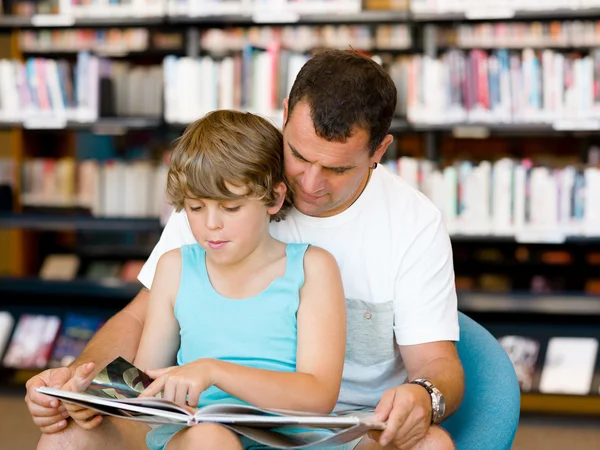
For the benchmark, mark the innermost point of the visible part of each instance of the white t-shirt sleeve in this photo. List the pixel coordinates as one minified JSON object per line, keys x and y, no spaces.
{"x":425,"y":298}
{"x":177,"y":233}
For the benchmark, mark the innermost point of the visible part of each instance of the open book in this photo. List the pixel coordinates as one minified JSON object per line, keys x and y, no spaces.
{"x":116,"y":388}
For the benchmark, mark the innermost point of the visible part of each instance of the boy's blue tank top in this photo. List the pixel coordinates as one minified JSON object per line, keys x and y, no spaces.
{"x":259,"y":331}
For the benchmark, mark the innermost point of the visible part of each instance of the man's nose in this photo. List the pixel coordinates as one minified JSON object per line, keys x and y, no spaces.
{"x":312,"y":180}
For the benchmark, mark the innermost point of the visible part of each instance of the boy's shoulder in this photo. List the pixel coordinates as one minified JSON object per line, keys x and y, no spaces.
{"x":317,"y":260}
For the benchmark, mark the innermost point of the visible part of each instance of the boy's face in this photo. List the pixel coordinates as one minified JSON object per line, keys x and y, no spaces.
{"x":229,"y":231}
{"x":325,"y":177}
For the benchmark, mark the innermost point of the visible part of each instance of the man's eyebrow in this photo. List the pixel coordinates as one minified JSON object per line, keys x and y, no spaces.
{"x":333,"y":169}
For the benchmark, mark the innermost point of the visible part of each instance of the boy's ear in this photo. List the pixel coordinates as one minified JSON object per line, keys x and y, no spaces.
{"x":280,"y":191}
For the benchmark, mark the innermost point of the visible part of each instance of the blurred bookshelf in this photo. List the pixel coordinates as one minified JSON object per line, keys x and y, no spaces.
{"x":498,"y":115}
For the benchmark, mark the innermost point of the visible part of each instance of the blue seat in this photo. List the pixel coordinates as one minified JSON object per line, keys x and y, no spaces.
{"x":489,"y":414}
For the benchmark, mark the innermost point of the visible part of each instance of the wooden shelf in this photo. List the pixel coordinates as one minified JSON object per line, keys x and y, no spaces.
{"x":44,"y":222}
{"x":560,"y":404}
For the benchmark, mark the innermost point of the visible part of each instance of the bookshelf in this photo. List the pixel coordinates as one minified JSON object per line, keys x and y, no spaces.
{"x":398,"y":38}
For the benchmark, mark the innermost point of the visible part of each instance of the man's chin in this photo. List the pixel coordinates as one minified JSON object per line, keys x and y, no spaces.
{"x":309,"y":209}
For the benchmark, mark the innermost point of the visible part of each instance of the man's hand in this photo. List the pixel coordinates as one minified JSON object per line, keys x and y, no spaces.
{"x":79,"y":382}
{"x":407,"y":411}
{"x":181,"y":384}
{"x":47,"y":412}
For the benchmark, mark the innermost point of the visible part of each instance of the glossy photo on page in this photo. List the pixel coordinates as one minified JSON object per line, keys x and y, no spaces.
{"x":119,"y":380}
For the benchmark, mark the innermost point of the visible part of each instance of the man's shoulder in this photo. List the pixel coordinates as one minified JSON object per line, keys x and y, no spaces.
{"x":405,"y":203}
{"x":178,"y":231}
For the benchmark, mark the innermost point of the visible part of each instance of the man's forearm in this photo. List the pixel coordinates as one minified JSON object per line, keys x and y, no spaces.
{"x":448,"y":376}
{"x":120,"y":336}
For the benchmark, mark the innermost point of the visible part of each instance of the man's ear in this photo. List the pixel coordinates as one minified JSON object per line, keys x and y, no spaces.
{"x":381,"y":149}
{"x":285,"y":111}
{"x":280,"y":191}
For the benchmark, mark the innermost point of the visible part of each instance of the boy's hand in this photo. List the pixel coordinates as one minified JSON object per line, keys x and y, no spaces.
{"x":181,"y":384}
{"x":79,"y":382}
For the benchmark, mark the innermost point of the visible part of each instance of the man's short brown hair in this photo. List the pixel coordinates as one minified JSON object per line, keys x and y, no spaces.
{"x":228,"y":147}
{"x":345,"y":90}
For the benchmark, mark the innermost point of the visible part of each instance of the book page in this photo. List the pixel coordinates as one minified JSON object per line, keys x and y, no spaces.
{"x":569,"y":366}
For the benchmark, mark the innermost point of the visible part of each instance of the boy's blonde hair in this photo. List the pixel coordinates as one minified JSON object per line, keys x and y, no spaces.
{"x":228,"y":147}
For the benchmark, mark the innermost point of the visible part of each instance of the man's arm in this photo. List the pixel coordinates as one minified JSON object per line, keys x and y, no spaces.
{"x":425,"y":326}
{"x":120,"y":336}
{"x":439,"y":363}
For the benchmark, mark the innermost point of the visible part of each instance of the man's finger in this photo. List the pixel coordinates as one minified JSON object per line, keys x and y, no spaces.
{"x":385,"y":406}
{"x":374,"y":434}
{"x":54,"y":428}
{"x":396,"y":419}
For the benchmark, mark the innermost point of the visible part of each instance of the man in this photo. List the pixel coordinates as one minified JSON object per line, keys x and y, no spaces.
{"x":394,"y":255}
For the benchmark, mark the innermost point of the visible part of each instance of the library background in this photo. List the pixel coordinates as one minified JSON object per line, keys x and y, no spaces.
{"x":498,"y":105}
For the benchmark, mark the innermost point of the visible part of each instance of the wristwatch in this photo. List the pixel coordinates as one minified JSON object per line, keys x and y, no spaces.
{"x":438,"y":405}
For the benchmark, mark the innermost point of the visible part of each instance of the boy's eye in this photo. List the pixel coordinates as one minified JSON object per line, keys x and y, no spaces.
{"x":231,"y":208}
{"x":195,"y":208}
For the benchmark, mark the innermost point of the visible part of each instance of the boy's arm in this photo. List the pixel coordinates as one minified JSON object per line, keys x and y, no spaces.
{"x":160,"y":336}
{"x":314,"y":387}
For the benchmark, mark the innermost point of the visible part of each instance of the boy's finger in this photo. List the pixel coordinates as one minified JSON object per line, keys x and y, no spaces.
{"x":155,"y":387}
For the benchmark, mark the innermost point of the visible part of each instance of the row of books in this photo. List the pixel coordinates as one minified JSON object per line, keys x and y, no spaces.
{"x":49,"y":91}
{"x":576,"y":33}
{"x":157,"y":8}
{"x":108,"y":189}
{"x":307,"y":37}
{"x":535,"y":203}
{"x":114,"y":41}
{"x":41,"y":341}
{"x":492,"y":8}
{"x":503,"y":86}
{"x":557,"y":365}
{"x":68,"y":267}
{"x":458,"y":87}
{"x":256,"y":80}
{"x":117,"y":41}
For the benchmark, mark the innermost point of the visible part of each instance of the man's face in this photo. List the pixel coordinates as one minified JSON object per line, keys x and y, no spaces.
{"x":325,"y":177}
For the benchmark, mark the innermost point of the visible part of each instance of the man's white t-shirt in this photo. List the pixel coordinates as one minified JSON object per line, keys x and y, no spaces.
{"x":395,"y":259}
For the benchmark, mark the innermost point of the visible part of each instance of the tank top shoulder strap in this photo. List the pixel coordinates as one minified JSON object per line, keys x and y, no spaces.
{"x":295,"y":263}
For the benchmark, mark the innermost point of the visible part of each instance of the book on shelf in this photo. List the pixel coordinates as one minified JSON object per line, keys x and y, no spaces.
{"x":62,"y":267}
{"x":7,"y":323}
{"x":527,"y":87}
{"x":569,"y":365}
{"x":497,"y":8}
{"x":510,"y":197}
{"x":115,"y":391}
{"x":76,"y":331}
{"x":111,"y":188}
{"x":32,"y":342}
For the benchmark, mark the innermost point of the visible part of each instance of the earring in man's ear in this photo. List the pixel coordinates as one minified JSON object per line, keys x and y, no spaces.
{"x":374,"y":166}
